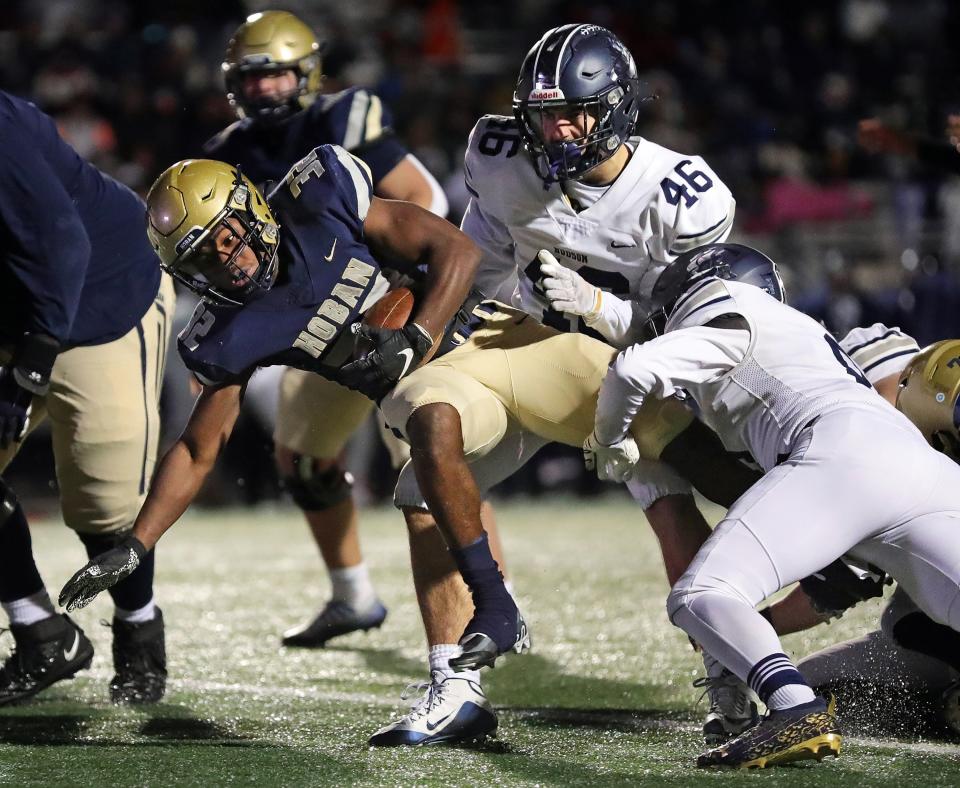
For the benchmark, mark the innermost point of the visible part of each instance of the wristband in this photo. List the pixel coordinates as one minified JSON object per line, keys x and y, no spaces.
{"x":33,"y":362}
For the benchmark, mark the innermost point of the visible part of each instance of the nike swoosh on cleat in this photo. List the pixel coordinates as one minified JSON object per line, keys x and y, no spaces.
{"x":70,"y":653}
{"x":438,"y":723}
{"x":407,"y":353}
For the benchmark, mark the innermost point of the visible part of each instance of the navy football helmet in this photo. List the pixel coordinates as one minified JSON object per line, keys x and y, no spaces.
{"x":735,"y":262}
{"x":580,"y":69}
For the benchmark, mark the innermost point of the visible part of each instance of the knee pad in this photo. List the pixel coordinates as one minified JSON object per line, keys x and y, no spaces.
{"x":314,"y":490}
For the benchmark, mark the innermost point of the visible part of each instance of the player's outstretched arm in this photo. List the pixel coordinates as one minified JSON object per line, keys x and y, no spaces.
{"x":177,"y":481}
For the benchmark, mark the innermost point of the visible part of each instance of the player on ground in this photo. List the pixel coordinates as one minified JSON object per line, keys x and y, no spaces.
{"x":576,"y":215}
{"x":83,"y":334}
{"x":770,"y":381}
{"x":274,"y":76}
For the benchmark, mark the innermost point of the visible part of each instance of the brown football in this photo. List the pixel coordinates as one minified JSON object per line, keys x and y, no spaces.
{"x":392,"y":311}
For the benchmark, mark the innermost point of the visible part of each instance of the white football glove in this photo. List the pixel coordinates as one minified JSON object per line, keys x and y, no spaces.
{"x":566,"y":290}
{"x":614,"y":463}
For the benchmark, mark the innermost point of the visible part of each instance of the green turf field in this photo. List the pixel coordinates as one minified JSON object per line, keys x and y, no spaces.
{"x":604,"y":698}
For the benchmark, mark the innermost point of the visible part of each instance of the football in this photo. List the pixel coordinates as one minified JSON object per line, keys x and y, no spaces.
{"x":392,"y":311}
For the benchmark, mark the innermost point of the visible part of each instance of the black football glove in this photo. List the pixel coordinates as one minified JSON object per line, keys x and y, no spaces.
{"x":394,"y":353}
{"x":102,"y":572}
{"x":14,"y":409}
{"x":27,"y":375}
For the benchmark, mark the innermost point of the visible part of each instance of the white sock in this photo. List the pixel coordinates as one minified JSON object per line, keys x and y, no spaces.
{"x":440,"y":660}
{"x":139,"y":616}
{"x":790,"y":695}
{"x":30,"y":609}
{"x":352,"y":585}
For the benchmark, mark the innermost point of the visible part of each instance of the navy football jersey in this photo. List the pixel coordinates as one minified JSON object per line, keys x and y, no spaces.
{"x":327,"y":278}
{"x":354,"y":119}
{"x":75,"y":262}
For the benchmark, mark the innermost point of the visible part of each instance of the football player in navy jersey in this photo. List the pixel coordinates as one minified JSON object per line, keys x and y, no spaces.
{"x":83,"y":333}
{"x":291,"y":297}
{"x":273,"y":74}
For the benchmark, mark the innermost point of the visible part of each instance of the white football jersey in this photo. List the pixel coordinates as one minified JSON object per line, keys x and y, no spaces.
{"x":662,"y":204}
{"x":756,"y":389}
{"x":879,"y":351}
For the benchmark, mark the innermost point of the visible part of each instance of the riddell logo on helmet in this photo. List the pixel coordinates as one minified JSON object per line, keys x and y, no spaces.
{"x":546,"y":94}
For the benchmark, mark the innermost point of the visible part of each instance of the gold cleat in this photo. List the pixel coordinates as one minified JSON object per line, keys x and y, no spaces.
{"x":809,"y":733}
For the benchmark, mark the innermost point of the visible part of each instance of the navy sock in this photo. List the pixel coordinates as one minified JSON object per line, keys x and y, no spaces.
{"x":136,"y":589}
{"x":495,"y":612}
{"x":19,"y":576}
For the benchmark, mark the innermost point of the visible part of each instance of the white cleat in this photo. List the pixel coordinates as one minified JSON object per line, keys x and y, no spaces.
{"x":452,"y":709}
{"x":733,"y":705}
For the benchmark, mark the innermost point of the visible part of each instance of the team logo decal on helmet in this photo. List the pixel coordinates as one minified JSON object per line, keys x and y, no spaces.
{"x":584,"y":71}
{"x":187,"y":205}
{"x":271,"y":42}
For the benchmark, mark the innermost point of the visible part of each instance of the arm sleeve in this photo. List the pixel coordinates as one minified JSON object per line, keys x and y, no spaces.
{"x":47,"y":248}
{"x":879,"y":351}
{"x":680,"y":359}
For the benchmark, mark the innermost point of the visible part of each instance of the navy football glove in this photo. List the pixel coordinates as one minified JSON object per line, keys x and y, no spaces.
{"x":102,"y":572}
{"x":394,"y":353}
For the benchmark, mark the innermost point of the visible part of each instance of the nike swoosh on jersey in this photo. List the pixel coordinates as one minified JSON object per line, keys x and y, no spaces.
{"x":407,"y":353}
{"x":329,"y":257}
{"x":70,"y":653}
{"x":618,"y":245}
{"x":432,"y":726}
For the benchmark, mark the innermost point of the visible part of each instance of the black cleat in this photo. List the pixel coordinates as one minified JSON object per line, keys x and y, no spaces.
{"x":44,"y":653}
{"x":140,"y":661}
{"x":337,"y":618}
{"x":807,"y":732}
{"x":481,"y":650}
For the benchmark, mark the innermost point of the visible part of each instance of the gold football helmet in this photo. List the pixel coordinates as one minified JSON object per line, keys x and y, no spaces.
{"x":929,"y":395}
{"x":273,"y":41}
{"x":186,"y":204}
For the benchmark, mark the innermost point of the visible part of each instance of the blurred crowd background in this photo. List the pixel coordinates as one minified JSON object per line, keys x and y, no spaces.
{"x":770,"y":93}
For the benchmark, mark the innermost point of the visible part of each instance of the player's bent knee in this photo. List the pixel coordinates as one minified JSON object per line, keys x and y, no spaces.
{"x":316,"y":484}
{"x":434,"y":429}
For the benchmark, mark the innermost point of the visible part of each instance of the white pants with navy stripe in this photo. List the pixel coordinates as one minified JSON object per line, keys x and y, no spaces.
{"x":860,"y":481}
